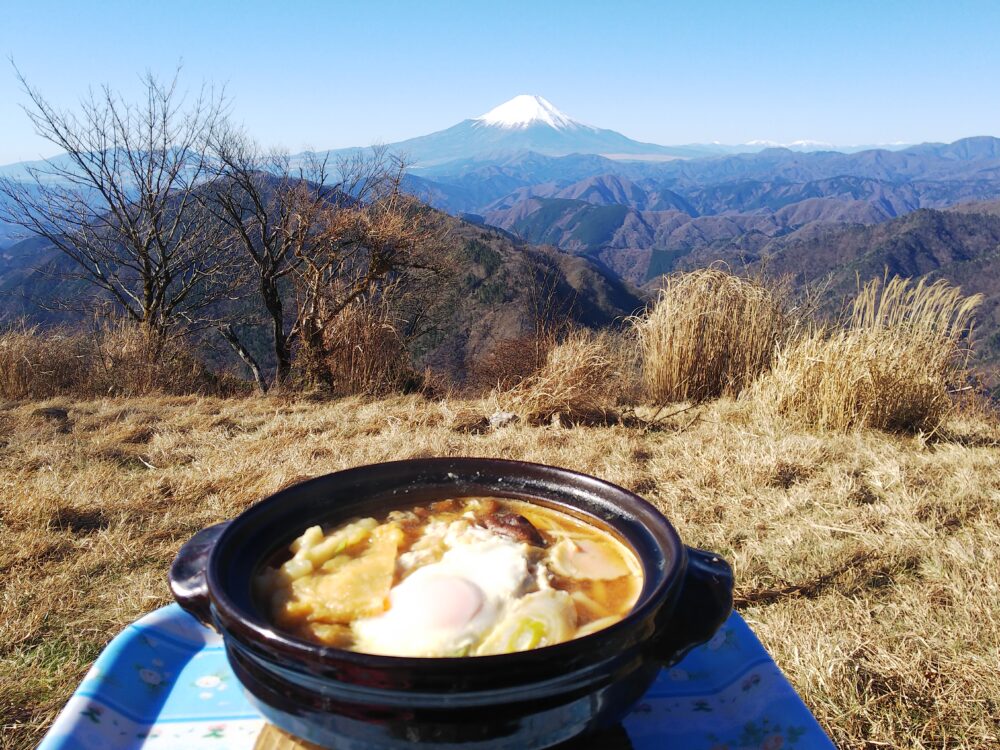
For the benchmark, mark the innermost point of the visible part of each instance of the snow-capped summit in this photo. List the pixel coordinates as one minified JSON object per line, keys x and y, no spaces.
{"x":525,"y":110}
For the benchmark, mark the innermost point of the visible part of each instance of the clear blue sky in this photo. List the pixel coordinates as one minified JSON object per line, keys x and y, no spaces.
{"x":331,"y":74}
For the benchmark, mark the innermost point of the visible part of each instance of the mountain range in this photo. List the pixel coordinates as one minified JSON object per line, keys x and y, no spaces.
{"x":531,"y":123}
{"x":632,"y":211}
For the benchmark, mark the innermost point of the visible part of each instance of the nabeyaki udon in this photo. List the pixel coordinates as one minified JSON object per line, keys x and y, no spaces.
{"x":469,"y":577}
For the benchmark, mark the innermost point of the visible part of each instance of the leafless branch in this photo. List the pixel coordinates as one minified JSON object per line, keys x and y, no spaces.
{"x":120,"y":201}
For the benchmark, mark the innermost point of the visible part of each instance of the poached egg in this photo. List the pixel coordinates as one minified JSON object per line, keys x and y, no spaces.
{"x":446,"y":607}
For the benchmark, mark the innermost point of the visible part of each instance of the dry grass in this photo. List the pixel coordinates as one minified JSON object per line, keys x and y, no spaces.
{"x":868,"y":563}
{"x":508,"y":362}
{"x":584,"y":378}
{"x":115,"y":358}
{"x":709,"y":334}
{"x":363,"y":353}
{"x":37,"y":364}
{"x":892,"y":366}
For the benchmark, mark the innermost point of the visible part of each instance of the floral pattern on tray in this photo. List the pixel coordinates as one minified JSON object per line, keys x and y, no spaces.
{"x":164,"y":682}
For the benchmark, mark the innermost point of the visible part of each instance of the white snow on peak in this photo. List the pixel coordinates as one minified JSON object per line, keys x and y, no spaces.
{"x":525,"y":110}
{"x":801,"y":145}
{"x":810,"y":144}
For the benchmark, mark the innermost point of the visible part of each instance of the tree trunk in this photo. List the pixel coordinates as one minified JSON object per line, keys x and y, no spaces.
{"x":311,"y":352}
{"x":230,"y":335}
{"x":282,"y":350}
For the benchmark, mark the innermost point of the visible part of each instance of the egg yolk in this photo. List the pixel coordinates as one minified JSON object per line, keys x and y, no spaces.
{"x":437,"y":602}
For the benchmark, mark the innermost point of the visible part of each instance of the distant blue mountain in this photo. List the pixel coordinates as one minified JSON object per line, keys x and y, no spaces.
{"x":531,"y":124}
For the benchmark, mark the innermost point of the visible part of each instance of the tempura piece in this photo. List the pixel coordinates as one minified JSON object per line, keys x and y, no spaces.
{"x":357,"y":588}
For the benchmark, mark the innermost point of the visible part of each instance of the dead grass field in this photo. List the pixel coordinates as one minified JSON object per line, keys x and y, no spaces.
{"x":869,"y":564}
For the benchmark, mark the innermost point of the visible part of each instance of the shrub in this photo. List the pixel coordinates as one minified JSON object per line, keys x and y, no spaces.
{"x":583,"y":379}
{"x":709,"y":334}
{"x":508,"y":362}
{"x":890,"y":366}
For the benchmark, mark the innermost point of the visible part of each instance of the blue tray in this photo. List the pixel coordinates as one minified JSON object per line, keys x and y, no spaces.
{"x":164,"y":682}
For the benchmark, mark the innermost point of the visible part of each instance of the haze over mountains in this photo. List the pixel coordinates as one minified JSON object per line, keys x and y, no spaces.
{"x":526,"y":123}
{"x":531,"y":123}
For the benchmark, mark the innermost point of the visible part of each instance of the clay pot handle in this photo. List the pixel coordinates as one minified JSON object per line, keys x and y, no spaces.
{"x":188,"y":573}
{"x":705,"y":602}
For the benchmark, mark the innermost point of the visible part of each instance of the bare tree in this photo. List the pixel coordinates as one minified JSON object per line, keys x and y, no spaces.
{"x":317,"y":238}
{"x":121,"y":201}
{"x":254,"y":196}
{"x":363,"y":244}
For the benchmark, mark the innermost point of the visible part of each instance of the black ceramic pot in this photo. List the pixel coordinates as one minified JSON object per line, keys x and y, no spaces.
{"x":534,"y":699}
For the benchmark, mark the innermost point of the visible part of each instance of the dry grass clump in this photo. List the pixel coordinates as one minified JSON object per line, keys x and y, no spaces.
{"x":363,"y":352}
{"x":37,"y":364}
{"x":709,"y":334}
{"x":890,"y":367}
{"x":128,"y":362}
{"x":508,"y":362}
{"x":116,"y":358}
{"x":583,"y":379}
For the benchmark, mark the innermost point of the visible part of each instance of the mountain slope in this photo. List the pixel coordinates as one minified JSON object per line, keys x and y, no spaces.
{"x":931,"y":175}
{"x":641,"y":218}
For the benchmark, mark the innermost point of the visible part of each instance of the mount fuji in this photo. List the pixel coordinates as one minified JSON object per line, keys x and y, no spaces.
{"x":527,"y":123}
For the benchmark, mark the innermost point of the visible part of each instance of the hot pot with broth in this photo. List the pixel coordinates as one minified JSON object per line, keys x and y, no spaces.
{"x":451,"y":601}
